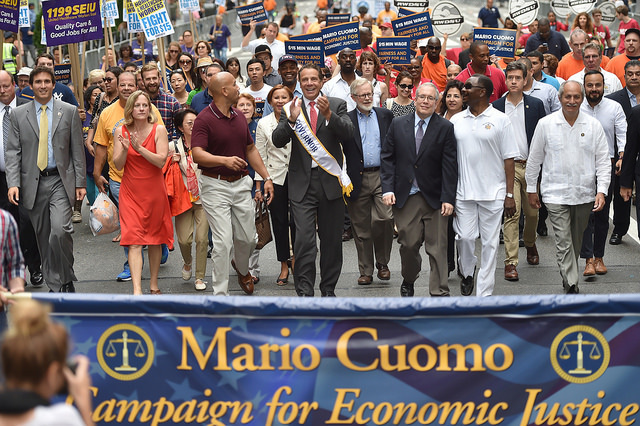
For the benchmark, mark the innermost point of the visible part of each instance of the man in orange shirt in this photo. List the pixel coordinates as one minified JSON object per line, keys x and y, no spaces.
{"x":434,"y":65}
{"x":386,"y":15}
{"x":571,"y":63}
{"x":631,"y":51}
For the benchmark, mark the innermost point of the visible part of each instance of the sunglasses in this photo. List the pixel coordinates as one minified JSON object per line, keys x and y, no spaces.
{"x":406,"y":86}
{"x":109,"y":79}
{"x":469,"y":86}
{"x":185,"y":62}
{"x":464,"y":39}
{"x":413,"y":67}
{"x":174,"y":51}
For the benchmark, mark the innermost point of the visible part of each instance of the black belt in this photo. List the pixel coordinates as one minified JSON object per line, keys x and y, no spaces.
{"x":371,"y":169}
{"x":49,"y":172}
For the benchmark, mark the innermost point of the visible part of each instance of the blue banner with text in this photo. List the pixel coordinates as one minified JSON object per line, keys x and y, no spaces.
{"x":501,"y":42}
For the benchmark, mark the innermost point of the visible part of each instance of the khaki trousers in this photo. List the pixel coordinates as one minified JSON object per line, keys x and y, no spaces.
{"x":511,"y":224}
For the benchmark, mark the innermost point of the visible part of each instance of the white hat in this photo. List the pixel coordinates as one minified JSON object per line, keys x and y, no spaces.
{"x":619,"y":3}
{"x":423,"y":42}
{"x":25,"y":71}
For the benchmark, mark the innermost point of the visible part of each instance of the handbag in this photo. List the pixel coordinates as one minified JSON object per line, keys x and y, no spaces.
{"x":263,"y":226}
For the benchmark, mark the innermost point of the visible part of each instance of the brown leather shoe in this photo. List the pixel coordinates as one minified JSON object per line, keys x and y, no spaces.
{"x":532,"y":255}
{"x":365,"y":280}
{"x":599,"y":266}
{"x":510,"y":273}
{"x":589,"y":269}
{"x":245,"y":281}
{"x":383,"y":272}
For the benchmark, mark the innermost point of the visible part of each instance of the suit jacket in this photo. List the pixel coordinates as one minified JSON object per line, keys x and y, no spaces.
{"x":533,"y":111}
{"x":22,"y":150}
{"x":435,"y":166}
{"x":630,"y":164}
{"x":353,"y":147}
{"x":332,"y":135}
{"x":622,"y":97}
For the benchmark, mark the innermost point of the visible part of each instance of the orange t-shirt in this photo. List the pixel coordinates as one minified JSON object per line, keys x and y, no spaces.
{"x":616,"y":66}
{"x":568,"y":66}
{"x":436,"y":72}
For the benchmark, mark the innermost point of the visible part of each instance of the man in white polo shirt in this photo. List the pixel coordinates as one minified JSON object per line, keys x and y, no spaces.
{"x":486,"y":149}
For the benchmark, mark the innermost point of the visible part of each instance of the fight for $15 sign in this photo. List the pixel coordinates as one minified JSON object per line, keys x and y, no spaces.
{"x":154,"y":18}
{"x":71,"y":21}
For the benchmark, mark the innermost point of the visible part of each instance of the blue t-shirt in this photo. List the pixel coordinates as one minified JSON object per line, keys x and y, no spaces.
{"x":221,"y":33}
{"x":489,"y":17}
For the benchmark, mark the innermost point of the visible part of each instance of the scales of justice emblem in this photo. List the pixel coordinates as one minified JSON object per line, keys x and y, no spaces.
{"x":116,"y":346}
{"x":581,"y":357}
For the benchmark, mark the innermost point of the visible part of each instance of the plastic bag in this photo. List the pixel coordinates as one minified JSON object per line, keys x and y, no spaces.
{"x":103,"y":216}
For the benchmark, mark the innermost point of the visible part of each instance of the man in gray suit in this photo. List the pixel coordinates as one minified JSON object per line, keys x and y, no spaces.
{"x":46,"y":174}
{"x":315,"y":194}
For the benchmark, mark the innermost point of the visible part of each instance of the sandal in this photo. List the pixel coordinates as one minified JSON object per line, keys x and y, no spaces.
{"x":116,"y":239}
{"x":155,"y":292}
{"x":283,"y":280}
{"x":200,"y":285}
{"x":256,"y":280}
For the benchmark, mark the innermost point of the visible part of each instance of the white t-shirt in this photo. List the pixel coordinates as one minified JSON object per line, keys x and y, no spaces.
{"x":484,"y":142}
{"x":259,"y":95}
{"x":56,"y":415}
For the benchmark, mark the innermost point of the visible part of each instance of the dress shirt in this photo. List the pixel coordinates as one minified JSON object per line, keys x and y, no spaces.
{"x":484,"y":142}
{"x":571,"y":158}
{"x":632,"y":98}
{"x":12,"y":106}
{"x":337,"y":87}
{"x":370,"y":138}
{"x":547,"y":94}
{"x":416,"y":121}
{"x":51,"y":161}
{"x":516,"y":115}
{"x":611,"y":81}
{"x":308,"y":108}
{"x":614,"y":122}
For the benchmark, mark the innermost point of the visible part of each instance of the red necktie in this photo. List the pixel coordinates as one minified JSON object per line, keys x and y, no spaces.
{"x":313,"y":116}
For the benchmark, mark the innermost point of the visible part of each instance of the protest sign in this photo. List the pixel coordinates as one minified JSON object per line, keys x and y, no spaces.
{"x":62,"y":73}
{"x":306,"y":52}
{"x":608,"y":12}
{"x":579,"y":6}
{"x":24,"y":20}
{"x":307,"y":37}
{"x":416,"y":26}
{"x":446,"y":18}
{"x":501,"y":42}
{"x":419,"y":4}
{"x":71,"y":21}
{"x":404,"y":12}
{"x":523,"y":12}
{"x":395,"y":50}
{"x":340,"y":37}
{"x":250,"y":12}
{"x":133,"y":20}
{"x":338,"y":18}
{"x":9,"y":15}
{"x":560,"y":8}
{"x":154,"y":18}
{"x":189,"y":5}
{"x":110,"y":10}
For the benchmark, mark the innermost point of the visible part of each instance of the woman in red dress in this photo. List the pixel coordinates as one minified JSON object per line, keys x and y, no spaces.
{"x":141,"y":148}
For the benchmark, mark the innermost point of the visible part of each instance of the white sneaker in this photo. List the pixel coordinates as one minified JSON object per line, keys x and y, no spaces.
{"x":201,"y":285}
{"x":76,"y":217}
{"x":186,"y":274}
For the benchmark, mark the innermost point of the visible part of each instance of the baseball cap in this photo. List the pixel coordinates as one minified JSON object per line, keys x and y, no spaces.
{"x":25,"y":71}
{"x":8,"y":34}
{"x":386,"y":25}
{"x":632,"y":31}
{"x":263,"y":48}
{"x":285,"y":58}
{"x":204,"y":62}
{"x":423,"y":42}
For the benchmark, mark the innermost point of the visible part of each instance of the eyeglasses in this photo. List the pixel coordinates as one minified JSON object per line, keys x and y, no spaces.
{"x":203,"y":70}
{"x":406,"y":86}
{"x":185,"y":62}
{"x":421,"y":98}
{"x":469,"y":86}
{"x":364,"y":95}
{"x":464,"y":39}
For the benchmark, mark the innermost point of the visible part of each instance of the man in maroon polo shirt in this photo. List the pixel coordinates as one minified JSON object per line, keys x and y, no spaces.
{"x":479,"y":64}
{"x":222,"y":146}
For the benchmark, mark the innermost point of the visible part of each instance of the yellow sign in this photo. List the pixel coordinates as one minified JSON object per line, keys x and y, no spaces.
{"x":580,"y":354}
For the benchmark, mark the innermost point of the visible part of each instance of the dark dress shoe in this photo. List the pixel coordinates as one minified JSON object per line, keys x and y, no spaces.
{"x":347,"y":235}
{"x":542,"y":229}
{"x":37,"y":280}
{"x":365,"y":280}
{"x":245,"y":281}
{"x":466,"y":285}
{"x":68,"y":288}
{"x":501,"y":237}
{"x":571,"y":289}
{"x":383,"y":272}
{"x":510,"y":273}
{"x":328,"y":294}
{"x":406,"y":289}
{"x":615,"y":239}
{"x":532,"y":255}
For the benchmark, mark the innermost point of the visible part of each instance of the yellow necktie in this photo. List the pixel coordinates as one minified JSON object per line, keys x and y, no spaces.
{"x":43,"y":146}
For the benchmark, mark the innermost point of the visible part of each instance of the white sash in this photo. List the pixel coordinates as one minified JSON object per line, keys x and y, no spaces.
{"x":318,"y":152}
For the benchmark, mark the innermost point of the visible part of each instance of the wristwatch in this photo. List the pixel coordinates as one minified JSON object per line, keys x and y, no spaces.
{"x":509,"y":195}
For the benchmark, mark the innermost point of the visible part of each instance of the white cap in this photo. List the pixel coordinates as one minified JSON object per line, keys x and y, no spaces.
{"x":25,"y":71}
{"x":423,"y":42}
{"x":619,"y":3}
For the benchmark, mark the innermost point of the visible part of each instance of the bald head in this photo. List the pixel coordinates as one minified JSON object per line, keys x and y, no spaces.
{"x":223,"y":88}
{"x":7,"y":88}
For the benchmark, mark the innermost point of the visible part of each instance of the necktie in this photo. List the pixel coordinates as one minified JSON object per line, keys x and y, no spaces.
{"x":313,"y":116}
{"x":419,"y":135}
{"x":5,"y":132}
{"x":43,"y":146}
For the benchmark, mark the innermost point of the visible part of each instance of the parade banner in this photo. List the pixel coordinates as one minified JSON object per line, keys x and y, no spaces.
{"x":416,"y":26}
{"x":514,"y":361}
{"x":307,"y":37}
{"x":62,"y":72}
{"x":608,"y":12}
{"x":133,"y":20}
{"x":338,"y":18}
{"x":446,"y":18}
{"x":560,"y":8}
{"x":24,"y":20}
{"x":579,"y":6}
{"x":71,"y":21}
{"x":340,"y":37}
{"x":306,"y":52}
{"x":523,"y":11}
{"x":189,"y":5}
{"x":253,"y":11}
{"x":501,"y":42}
{"x":154,"y":18}
{"x":395,"y":50}
{"x":404,"y":12}
{"x":9,"y":15}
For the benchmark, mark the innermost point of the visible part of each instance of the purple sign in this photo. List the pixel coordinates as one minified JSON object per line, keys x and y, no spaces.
{"x":71,"y":21}
{"x":9,"y":14}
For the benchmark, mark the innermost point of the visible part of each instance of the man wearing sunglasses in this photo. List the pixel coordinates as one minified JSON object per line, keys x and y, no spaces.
{"x":434,"y":65}
{"x":486,"y":149}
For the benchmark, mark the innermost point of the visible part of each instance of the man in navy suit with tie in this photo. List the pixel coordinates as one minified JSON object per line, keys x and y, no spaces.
{"x":523,"y":111}
{"x":419,"y":173}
